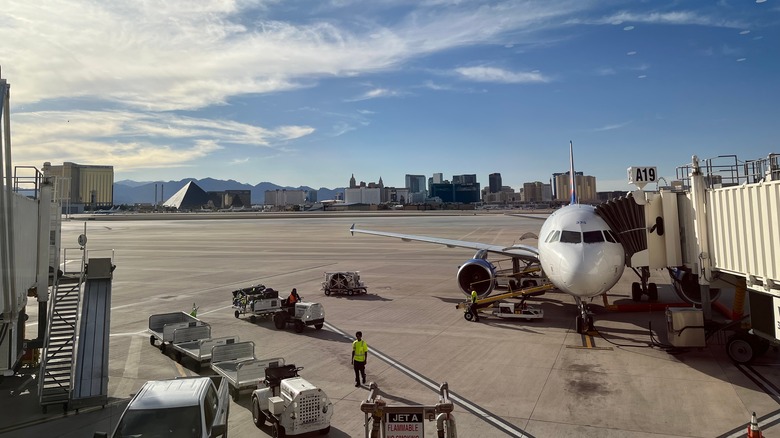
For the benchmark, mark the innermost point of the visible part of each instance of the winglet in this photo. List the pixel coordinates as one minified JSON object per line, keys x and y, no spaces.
{"x":572,"y":178}
{"x":352,"y":230}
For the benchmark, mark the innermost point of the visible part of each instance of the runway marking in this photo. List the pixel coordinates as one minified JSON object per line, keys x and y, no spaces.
{"x":588,"y":343}
{"x":481,"y":413}
{"x":770,"y":389}
{"x":132,"y":365}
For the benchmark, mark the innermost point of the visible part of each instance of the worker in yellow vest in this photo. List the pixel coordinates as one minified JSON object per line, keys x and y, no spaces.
{"x":473,"y":308}
{"x":359,"y":356}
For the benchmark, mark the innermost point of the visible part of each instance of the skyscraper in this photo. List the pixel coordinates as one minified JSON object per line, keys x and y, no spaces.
{"x":494,"y":180}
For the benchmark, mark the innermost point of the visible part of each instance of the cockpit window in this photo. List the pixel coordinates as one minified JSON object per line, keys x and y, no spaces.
{"x":553,"y":237}
{"x":571,"y":236}
{"x":592,"y":236}
{"x":609,"y":236}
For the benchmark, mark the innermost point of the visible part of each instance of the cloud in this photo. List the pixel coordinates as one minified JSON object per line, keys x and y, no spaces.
{"x":131,"y":140}
{"x":374,"y":94}
{"x":611,"y":127}
{"x":180,"y":56}
{"x":670,"y":18}
{"x":493,"y":74}
{"x":239,"y":161}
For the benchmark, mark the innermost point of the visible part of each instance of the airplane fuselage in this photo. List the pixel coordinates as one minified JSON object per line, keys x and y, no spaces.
{"x":579,"y":253}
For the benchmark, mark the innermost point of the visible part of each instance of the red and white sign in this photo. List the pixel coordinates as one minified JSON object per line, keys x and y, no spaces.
{"x":404,"y":425}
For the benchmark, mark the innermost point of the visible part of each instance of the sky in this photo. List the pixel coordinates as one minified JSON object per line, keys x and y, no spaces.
{"x":311,"y":92}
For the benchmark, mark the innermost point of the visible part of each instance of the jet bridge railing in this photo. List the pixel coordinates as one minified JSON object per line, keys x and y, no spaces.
{"x":383,"y":420}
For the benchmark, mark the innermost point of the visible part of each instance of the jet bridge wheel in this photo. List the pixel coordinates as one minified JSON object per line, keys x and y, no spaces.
{"x":739,"y":349}
{"x":258,"y":417}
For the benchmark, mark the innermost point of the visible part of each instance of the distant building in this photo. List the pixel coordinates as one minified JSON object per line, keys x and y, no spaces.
{"x":494,"y":180}
{"x":284,"y":197}
{"x":463,"y":189}
{"x":506,"y":195}
{"x":189,"y":197}
{"x":230,"y":199}
{"x":532,"y":191}
{"x":586,"y":187}
{"x":396,"y":195}
{"x":435,"y":179}
{"x":415,"y":183}
{"x":87,"y":185}
{"x":372,"y":185}
{"x":363,"y":195}
{"x":311,"y":196}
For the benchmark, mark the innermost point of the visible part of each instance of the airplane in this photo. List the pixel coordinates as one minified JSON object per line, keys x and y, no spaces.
{"x":577,"y":251}
{"x":109,"y":211}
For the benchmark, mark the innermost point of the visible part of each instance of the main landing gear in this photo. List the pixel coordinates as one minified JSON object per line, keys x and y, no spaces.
{"x":584,"y":320}
{"x":643,"y":287}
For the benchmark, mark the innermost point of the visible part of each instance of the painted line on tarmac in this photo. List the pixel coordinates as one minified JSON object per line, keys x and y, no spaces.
{"x":481,"y":413}
{"x":770,"y":389}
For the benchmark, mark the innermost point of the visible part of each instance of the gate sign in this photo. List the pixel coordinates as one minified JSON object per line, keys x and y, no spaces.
{"x":640,"y":176}
{"x":404,"y":425}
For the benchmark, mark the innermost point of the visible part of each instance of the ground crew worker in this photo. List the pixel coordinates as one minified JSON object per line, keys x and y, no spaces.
{"x":473,"y":308}
{"x":194,"y":311}
{"x":293,"y":298}
{"x":359,"y":356}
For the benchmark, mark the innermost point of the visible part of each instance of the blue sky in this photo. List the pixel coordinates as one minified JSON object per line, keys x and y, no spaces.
{"x":311,"y":92}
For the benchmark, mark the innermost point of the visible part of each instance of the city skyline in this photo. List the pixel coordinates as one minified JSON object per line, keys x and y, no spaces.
{"x":294,"y":93}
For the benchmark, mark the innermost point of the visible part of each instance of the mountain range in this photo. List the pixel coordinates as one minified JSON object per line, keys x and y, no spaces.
{"x":134,"y":192}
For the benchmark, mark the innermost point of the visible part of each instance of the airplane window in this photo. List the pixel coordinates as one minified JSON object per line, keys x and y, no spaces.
{"x":571,"y":237}
{"x":592,"y":236}
{"x":553,"y":237}
{"x":609,"y":236}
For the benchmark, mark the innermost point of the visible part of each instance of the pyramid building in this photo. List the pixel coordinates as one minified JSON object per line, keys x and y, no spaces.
{"x":190,"y":197}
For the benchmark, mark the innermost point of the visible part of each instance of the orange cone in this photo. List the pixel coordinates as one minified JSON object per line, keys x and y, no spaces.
{"x":753,"y":430}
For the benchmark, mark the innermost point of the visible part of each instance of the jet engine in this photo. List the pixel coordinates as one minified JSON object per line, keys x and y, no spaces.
{"x":477,"y":274}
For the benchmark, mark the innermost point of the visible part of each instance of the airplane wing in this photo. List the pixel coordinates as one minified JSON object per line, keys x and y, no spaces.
{"x":520,"y":251}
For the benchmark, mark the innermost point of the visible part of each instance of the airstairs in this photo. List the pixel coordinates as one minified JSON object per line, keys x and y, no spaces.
{"x":56,"y":369}
{"x":74,"y":369}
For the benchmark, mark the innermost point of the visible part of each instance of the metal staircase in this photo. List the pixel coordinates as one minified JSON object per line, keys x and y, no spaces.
{"x":57,"y":364}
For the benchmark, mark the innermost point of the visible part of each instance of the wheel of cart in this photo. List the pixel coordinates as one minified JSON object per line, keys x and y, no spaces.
{"x":327,"y":291}
{"x":258,"y":417}
{"x":280,"y":319}
{"x":277,"y":430}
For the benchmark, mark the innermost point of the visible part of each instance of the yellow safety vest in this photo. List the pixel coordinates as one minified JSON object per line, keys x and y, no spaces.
{"x":473,"y":296}
{"x":360,"y":348}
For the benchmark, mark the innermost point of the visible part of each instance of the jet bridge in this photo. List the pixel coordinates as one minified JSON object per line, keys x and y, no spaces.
{"x":718,"y":226}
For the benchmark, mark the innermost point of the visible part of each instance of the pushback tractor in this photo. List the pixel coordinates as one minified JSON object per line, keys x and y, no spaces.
{"x":290,"y":403}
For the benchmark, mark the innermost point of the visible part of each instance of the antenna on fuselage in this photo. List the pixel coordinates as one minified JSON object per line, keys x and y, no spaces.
{"x":572,"y":179}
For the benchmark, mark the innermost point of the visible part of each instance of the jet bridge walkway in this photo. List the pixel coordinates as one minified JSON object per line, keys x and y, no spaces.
{"x":718,"y":227}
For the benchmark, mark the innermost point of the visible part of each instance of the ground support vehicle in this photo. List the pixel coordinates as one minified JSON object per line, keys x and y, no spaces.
{"x":300,"y":315}
{"x":517,"y":311}
{"x":291,"y":404}
{"x":163,"y":326}
{"x":200,"y":350}
{"x":185,"y":406}
{"x":257,"y":301}
{"x":496,"y":302}
{"x":346,"y":283}
{"x":239,"y":366}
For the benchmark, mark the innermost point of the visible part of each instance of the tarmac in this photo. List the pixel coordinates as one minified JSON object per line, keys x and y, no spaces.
{"x":507,"y":378}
